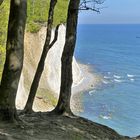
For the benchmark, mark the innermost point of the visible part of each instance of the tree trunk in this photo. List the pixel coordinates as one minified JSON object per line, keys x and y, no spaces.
{"x":14,"y":59}
{"x":40,"y":68}
{"x":63,"y":106}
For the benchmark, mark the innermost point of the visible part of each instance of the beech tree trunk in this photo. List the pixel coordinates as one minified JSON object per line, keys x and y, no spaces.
{"x":40,"y":68}
{"x":63,"y":106}
{"x":14,"y":59}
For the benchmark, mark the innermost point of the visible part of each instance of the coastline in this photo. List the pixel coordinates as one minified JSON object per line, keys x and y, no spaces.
{"x":89,"y":82}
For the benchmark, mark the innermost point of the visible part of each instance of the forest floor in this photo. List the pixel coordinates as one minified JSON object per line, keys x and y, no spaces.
{"x":44,"y":126}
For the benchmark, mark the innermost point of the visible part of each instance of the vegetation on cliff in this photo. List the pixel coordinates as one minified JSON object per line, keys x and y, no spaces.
{"x":37,"y":14}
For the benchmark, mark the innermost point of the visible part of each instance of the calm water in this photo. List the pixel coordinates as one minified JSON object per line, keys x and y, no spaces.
{"x":114,"y":52}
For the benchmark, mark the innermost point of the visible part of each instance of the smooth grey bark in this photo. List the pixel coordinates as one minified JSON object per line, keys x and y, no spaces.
{"x":14,"y":59}
{"x":40,"y":68}
{"x":63,"y":106}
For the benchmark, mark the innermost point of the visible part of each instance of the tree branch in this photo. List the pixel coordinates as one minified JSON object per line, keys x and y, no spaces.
{"x":55,"y":36}
{"x":91,"y":5}
{"x":89,"y":8}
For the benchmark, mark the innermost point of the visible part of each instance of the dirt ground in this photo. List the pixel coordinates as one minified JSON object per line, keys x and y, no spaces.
{"x":44,"y":126}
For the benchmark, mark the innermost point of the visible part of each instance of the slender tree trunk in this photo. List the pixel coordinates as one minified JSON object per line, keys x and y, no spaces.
{"x":40,"y":68}
{"x":63,"y":106}
{"x":14,"y":59}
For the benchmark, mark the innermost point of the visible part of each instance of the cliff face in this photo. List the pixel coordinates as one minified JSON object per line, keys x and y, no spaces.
{"x":53,"y":61}
{"x":50,"y":81}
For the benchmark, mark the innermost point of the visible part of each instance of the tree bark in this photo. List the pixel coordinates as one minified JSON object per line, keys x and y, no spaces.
{"x":40,"y":68}
{"x":63,"y":106}
{"x":14,"y":59}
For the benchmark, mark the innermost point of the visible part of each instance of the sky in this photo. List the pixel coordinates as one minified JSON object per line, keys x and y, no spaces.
{"x":113,"y":12}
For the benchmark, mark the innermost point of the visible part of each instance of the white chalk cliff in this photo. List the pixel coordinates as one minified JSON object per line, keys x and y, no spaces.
{"x":50,"y":79}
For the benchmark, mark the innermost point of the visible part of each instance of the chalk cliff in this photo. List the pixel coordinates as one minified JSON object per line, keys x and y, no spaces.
{"x":50,"y":81}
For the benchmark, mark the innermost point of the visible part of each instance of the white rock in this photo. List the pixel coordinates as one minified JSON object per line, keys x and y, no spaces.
{"x":52,"y":73}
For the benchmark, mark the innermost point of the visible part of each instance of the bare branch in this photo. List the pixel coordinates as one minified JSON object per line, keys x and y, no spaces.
{"x":91,"y":5}
{"x":89,"y":8}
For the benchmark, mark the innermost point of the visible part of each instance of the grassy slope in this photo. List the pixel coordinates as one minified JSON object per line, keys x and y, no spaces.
{"x":37,"y":16}
{"x":38,"y":13}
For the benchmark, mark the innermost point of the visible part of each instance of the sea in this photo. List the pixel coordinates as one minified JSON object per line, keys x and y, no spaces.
{"x":112,"y":51}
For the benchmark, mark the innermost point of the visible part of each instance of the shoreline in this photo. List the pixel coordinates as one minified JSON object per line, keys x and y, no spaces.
{"x":89,"y":82}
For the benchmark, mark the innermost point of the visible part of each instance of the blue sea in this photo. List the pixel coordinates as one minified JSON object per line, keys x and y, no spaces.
{"x":113,"y":51}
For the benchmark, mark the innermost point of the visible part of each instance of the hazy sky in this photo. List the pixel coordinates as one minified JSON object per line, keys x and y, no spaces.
{"x":115,"y":11}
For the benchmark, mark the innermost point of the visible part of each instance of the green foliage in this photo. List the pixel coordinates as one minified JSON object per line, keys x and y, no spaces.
{"x":61,"y":12}
{"x":1,"y":64}
{"x":4,"y":12}
{"x":37,"y":14}
{"x":2,"y":52}
{"x":33,"y":27}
